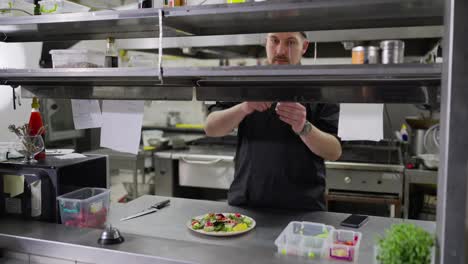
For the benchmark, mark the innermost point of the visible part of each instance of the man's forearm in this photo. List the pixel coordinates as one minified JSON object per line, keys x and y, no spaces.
{"x":323,"y":144}
{"x":221,"y":123}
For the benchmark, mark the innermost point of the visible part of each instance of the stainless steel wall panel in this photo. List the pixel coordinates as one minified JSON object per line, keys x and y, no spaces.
{"x":452,"y":186}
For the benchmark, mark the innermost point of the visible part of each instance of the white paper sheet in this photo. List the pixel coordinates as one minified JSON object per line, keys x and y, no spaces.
{"x":71,"y":156}
{"x":121,"y":125}
{"x":13,"y":184}
{"x":86,"y":114}
{"x":361,"y":122}
{"x":36,"y":198}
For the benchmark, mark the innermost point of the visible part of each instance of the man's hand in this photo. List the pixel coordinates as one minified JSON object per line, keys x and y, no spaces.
{"x":249,"y":107}
{"x":293,"y":114}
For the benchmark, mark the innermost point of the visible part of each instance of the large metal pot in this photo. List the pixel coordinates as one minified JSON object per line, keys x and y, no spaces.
{"x":393,"y":51}
{"x":419,"y":127}
{"x":417,"y":141}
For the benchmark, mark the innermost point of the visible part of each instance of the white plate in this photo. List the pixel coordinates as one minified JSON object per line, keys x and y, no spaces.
{"x":220,"y":233}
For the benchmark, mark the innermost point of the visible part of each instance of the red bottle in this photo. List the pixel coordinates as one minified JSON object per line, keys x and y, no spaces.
{"x":35,"y":123}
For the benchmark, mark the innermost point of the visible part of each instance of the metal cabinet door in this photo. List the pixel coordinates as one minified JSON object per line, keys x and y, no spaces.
{"x":164,"y":176}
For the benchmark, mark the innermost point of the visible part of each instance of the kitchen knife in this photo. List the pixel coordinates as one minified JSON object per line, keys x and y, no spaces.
{"x":156,"y":207}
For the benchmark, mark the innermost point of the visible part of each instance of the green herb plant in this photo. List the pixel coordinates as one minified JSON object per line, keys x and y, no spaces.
{"x":405,"y":244}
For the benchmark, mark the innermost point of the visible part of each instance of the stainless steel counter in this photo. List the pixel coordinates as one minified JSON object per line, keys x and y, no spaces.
{"x":163,"y":238}
{"x":204,"y":152}
{"x":213,"y":167}
{"x":421,"y":176}
{"x":229,"y":152}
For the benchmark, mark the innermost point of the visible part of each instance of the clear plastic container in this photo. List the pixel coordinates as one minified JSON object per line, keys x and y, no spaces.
{"x":141,"y":61}
{"x":304,"y":239}
{"x":22,"y":5}
{"x":61,"y":6}
{"x":87,"y":207}
{"x":344,"y":245}
{"x":6,"y":4}
{"x":51,"y":6}
{"x":77,"y":58}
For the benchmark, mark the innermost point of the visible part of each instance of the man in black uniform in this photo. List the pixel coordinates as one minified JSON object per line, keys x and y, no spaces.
{"x":281,"y":146}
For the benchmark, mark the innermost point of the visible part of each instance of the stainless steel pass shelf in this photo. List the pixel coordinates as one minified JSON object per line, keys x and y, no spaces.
{"x":83,"y":26}
{"x":256,"y":17}
{"x":97,"y":83}
{"x":303,"y":15}
{"x":82,"y":76}
{"x":412,"y":83}
{"x":404,"y":83}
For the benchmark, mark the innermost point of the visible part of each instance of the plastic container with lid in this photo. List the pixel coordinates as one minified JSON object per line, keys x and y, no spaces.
{"x":141,"y":61}
{"x":5,"y":4}
{"x":21,"y":8}
{"x":23,"y":5}
{"x":87,"y":207}
{"x":306,"y":239}
{"x":77,"y":58}
{"x":61,"y":6}
{"x":344,"y":245}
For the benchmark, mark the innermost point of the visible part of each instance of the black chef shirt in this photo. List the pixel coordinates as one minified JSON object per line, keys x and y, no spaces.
{"x":273,"y":167}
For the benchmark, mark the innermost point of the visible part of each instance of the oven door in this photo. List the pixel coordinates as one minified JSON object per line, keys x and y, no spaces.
{"x":361,"y":190}
{"x":206,"y":172}
{"x":364,"y":203}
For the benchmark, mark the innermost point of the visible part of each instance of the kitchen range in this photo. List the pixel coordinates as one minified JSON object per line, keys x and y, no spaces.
{"x":367,"y":179}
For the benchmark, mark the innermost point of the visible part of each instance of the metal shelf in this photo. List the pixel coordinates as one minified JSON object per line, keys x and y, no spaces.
{"x":302,"y":15}
{"x":416,"y":83}
{"x":256,"y":17}
{"x":83,"y":26}
{"x":348,"y":72}
{"x":82,"y":76}
{"x":98,"y":83}
{"x":403,"y":83}
{"x":243,"y":40}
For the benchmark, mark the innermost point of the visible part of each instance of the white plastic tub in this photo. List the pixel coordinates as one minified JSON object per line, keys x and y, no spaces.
{"x":77,"y":58}
{"x":305,"y":239}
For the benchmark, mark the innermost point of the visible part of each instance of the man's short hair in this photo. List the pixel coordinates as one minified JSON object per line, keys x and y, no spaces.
{"x":303,"y":34}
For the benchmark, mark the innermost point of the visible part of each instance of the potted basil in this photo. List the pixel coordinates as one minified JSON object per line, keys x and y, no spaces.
{"x":405,"y":243}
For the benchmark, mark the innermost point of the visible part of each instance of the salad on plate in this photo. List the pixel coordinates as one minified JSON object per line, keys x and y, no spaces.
{"x":219,"y":223}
